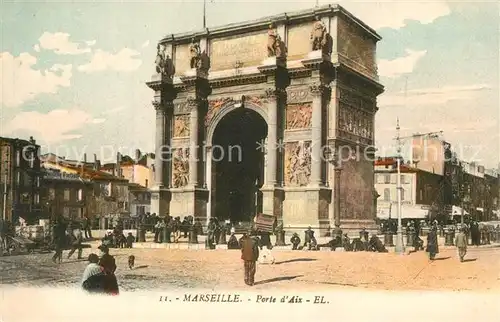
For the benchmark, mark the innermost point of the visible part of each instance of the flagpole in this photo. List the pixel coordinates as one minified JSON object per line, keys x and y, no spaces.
{"x":204,"y":14}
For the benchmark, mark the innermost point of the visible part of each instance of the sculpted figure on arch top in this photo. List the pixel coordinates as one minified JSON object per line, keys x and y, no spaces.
{"x":164,"y":64}
{"x":320,"y":38}
{"x":275,"y":46}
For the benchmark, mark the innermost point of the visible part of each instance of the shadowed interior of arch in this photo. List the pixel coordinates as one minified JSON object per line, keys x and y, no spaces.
{"x":237,"y":165}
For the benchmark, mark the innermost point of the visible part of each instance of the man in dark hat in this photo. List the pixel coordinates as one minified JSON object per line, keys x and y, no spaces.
{"x":461,"y":243}
{"x":295,"y":240}
{"x":59,"y":240}
{"x":76,"y":243}
{"x":249,"y":255}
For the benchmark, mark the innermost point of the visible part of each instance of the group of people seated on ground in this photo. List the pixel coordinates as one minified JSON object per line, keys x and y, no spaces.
{"x":363,"y":243}
{"x":99,"y":275}
{"x":117,"y":239}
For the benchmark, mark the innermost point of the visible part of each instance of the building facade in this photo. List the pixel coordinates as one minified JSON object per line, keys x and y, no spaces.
{"x":270,"y":93}
{"x":66,"y":195}
{"x":422,"y":195}
{"x":108,"y":198}
{"x":20,"y":179}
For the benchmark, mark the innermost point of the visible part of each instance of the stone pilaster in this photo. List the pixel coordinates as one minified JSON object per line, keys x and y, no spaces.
{"x":272,"y":138}
{"x":317,"y":91}
{"x":160,"y":195}
{"x":160,"y":143}
{"x":193,"y":140}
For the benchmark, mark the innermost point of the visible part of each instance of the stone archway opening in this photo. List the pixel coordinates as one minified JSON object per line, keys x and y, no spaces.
{"x":238,"y":165}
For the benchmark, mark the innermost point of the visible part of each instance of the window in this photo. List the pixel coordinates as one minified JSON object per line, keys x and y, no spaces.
{"x":18,"y":158}
{"x":18,"y":178}
{"x":140,"y":210}
{"x":402,"y":194}
{"x":66,"y":194}
{"x":80,"y":194}
{"x":387,"y":194}
{"x":380,"y":178}
{"x":387,"y":178}
{"x":36,"y":199}
{"x":403,"y":179}
{"x":66,"y":212}
{"x":421,"y":194}
{"x":52,"y":194}
{"x":125,"y":205}
{"x":146,"y":183}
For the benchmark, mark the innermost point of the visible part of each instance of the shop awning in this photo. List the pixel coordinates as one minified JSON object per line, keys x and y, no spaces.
{"x":383,"y":212}
{"x":414,"y":212}
{"x":407,"y":212}
{"x":457,"y":211}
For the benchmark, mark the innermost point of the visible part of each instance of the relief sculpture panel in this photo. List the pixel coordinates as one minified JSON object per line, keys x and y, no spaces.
{"x":356,"y":47}
{"x":214,"y":107}
{"x":297,"y":163}
{"x":355,"y":121}
{"x":298,"y":116}
{"x":180,"y":167}
{"x":181,"y":126}
{"x":250,"y":50}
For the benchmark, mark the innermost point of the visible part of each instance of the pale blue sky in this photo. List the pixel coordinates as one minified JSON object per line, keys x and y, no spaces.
{"x":448,"y":53}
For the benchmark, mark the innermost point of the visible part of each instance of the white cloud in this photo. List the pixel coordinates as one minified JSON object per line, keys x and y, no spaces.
{"x":145,"y":44}
{"x":114,"y":110}
{"x":60,"y":44}
{"x":55,"y":126}
{"x":394,"y":13}
{"x":36,"y":48}
{"x":433,"y":96}
{"x":90,"y":43}
{"x":401,"y":65}
{"x":21,"y":83}
{"x":124,"y":60}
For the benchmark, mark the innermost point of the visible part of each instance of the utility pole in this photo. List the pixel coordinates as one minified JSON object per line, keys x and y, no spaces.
{"x":400,"y":248}
{"x":205,"y":13}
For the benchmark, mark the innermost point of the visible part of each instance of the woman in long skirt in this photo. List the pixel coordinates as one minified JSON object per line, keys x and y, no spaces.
{"x":432,"y":243}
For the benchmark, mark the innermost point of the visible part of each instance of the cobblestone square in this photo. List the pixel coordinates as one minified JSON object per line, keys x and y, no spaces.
{"x":304,"y":270}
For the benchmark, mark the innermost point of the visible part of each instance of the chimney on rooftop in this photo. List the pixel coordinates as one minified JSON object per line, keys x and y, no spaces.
{"x":32,"y":141}
{"x":137,"y":155}
{"x":83,"y":164}
{"x":118,"y":164}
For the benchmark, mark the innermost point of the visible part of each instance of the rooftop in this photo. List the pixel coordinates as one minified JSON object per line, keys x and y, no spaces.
{"x":294,"y":17}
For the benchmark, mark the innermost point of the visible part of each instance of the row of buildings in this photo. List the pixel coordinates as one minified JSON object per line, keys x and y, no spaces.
{"x":38,"y":186}
{"x":435,"y":185}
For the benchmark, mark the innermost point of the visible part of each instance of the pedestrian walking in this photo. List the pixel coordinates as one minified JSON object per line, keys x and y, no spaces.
{"x":87,"y":227}
{"x":59,"y":240}
{"x":432,"y":243}
{"x":76,"y":243}
{"x":461,"y":243}
{"x":249,"y":255}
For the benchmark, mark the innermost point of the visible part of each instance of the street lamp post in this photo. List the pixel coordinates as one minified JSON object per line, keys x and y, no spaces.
{"x":333,"y":158}
{"x":6,"y":172}
{"x":400,"y":248}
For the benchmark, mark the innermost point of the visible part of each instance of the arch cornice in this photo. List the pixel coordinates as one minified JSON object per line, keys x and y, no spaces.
{"x":228,"y":108}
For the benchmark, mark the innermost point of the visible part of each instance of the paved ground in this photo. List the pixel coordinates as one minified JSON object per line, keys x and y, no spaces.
{"x":222,"y":269}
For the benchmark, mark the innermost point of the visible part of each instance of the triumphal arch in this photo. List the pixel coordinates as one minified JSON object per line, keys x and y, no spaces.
{"x":251,"y":117}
